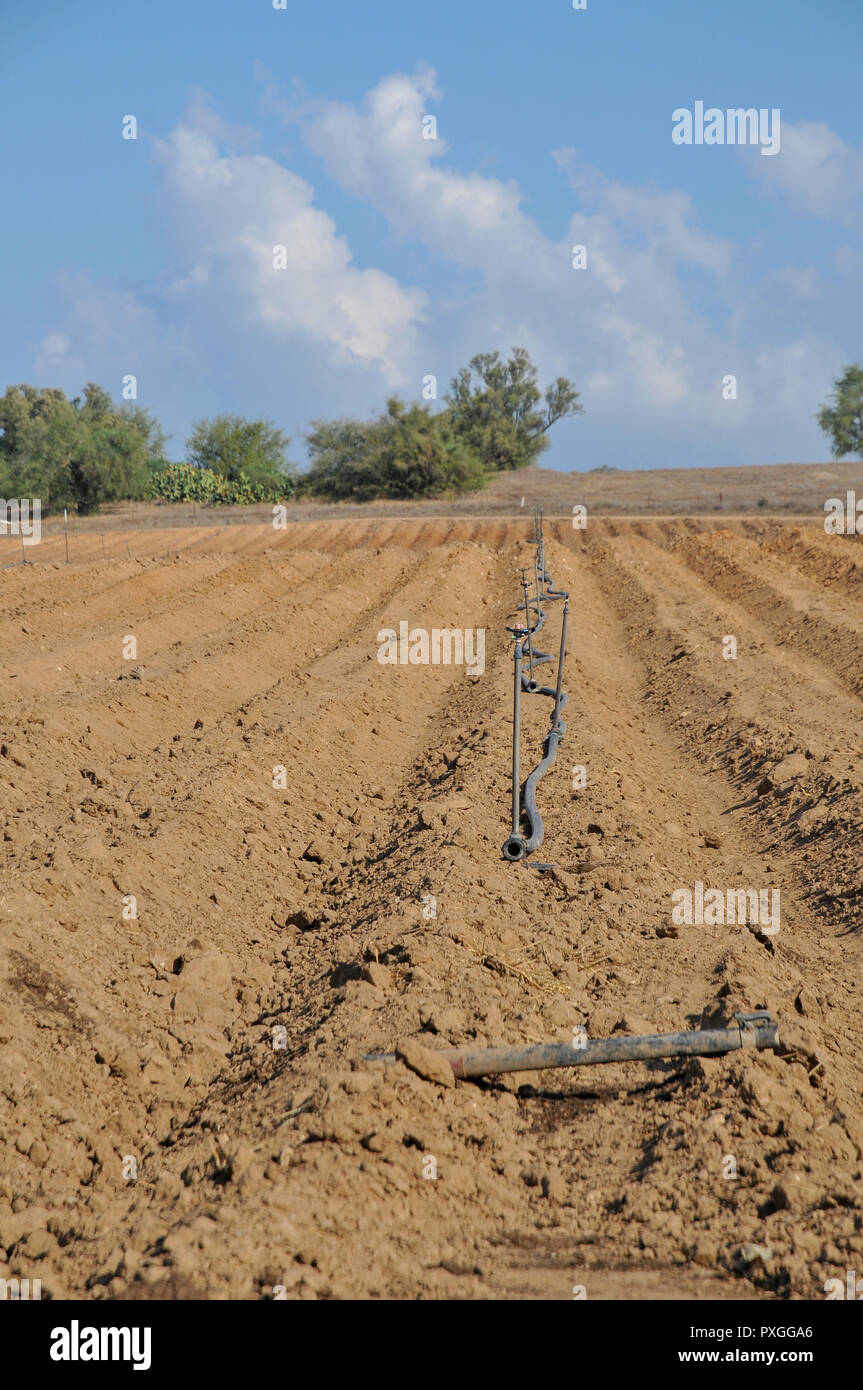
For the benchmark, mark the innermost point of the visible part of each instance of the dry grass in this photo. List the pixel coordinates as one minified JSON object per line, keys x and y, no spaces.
{"x":786,"y":488}
{"x":516,"y":967}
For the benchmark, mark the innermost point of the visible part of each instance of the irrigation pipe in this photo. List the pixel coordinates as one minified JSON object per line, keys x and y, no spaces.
{"x":755,"y":1031}
{"x":519,"y":845}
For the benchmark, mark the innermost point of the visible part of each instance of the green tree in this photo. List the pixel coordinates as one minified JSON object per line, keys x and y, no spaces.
{"x":406,"y":452}
{"x":340,"y":453}
{"x":111,"y":461}
{"x":41,"y":435}
{"x":842,"y":417}
{"x":76,"y":453}
{"x":151,"y":432}
{"x":233,"y":446}
{"x":494,"y":407}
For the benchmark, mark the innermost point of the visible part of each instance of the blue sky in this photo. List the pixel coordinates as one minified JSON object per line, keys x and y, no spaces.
{"x":303,"y":127}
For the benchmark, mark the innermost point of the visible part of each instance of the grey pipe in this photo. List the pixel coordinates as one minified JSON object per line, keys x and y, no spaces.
{"x":756,"y":1030}
{"x":536,"y":582}
{"x":516,"y":739}
{"x":517,"y":846}
{"x":528,"y":627}
{"x":555,"y":723}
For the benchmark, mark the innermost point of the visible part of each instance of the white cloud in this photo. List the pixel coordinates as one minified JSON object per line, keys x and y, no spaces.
{"x":663,"y":311}
{"x":377,"y":152}
{"x":53,"y":351}
{"x":815,"y":171}
{"x":229,"y":212}
{"x":638,"y":240}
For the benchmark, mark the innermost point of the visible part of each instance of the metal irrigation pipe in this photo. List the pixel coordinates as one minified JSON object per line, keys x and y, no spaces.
{"x":756,"y":1030}
{"x":556,"y":719}
{"x":528,"y":628}
{"x":516,"y":737}
{"x":518,"y":846}
{"x":536,"y":582}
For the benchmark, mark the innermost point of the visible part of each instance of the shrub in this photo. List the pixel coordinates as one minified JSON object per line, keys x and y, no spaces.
{"x":183,"y":482}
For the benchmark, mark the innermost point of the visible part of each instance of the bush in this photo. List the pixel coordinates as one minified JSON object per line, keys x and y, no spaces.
{"x":407,"y":452}
{"x":237,"y":448}
{"x":183,"y":482}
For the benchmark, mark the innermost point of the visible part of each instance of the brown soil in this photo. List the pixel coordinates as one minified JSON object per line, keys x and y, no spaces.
{"x":184,"y":1111}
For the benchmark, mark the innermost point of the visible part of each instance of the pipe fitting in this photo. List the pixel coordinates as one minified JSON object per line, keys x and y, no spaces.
{"x":514,"y":848}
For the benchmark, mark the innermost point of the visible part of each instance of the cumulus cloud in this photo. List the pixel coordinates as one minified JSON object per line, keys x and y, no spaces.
{"x":378,"y":152}
{"x":527,"y":291}
{"x":229,"y":213}
{"x":663,"y":311}
{"x":816,"y":172}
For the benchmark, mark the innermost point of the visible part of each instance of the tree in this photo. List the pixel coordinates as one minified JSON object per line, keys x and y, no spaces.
{"x":842,"y":417}
{"x":41,"y":433}
{"x":151,"y":432}
{"x":406,"y":452}
{"x":111,"y":461}
{"x":231,"y":446}
{"x":341,"y":460}
{"x":499,"y":416}
{"x":76,"y":453}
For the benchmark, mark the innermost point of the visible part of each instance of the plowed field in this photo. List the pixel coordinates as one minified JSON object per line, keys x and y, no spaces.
{"x":197,"y":949}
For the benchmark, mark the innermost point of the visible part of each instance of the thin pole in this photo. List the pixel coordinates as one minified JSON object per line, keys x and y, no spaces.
{"x":66,"y":532}
{"x":516,"y":737}
{"x":560,"y":658}
{"x":527,"y":622}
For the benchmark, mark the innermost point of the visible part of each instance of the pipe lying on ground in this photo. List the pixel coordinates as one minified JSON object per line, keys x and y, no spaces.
{"x":756,"y":1030}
